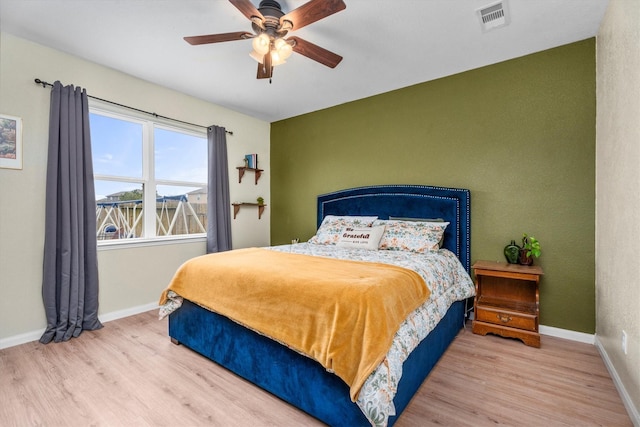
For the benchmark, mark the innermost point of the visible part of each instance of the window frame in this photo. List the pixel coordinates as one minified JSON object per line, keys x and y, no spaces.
{"x":148,"y":179}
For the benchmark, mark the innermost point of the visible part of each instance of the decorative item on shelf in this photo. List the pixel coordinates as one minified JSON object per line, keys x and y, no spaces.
{"x":251,"y":160}
{"x":246,"y":162}
{"x":512,"y":252}
{"x":530,"y":248}
{"x":260,"y":200}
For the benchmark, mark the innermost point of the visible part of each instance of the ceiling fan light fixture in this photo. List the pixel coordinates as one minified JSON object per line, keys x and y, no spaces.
{"x":255,"y":55}
{"x":261,"y":44}
{"x":276,"y":58}
{"x":270,"y":27}
{"x":283,"y":48}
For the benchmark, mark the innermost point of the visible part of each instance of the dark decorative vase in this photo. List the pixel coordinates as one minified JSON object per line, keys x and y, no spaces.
{"x":524,"y":259}
{"x":512,"y":252}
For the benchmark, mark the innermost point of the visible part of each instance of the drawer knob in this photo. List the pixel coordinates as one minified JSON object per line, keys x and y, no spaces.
{"x":504,"y":318}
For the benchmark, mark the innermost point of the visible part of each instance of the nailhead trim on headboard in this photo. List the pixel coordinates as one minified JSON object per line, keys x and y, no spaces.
{"x":415,"y":201}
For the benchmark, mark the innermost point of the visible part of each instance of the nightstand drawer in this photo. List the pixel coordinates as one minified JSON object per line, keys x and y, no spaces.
{"x":506,"y":318}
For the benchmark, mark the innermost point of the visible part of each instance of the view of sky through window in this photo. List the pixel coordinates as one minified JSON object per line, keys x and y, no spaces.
{"x":179,"y":156}
{"x":117,"y":148}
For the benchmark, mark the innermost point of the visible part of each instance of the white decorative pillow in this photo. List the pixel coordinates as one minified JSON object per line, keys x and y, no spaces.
{"x":329,"y":231}
{"x":411,"y":236}
{"x":361,"y":238}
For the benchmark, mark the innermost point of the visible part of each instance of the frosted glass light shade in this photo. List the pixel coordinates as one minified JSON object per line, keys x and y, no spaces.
{"x":283,"y":48}
{"x":276,"y":59}
{"x":261,"y":44}
{"x":255,"y":55}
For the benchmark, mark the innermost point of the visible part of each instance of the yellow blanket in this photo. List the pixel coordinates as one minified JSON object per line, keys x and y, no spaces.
{"x":343,"y":314}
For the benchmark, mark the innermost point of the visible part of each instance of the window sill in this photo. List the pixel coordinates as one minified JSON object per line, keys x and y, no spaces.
{"x":108,"y":245}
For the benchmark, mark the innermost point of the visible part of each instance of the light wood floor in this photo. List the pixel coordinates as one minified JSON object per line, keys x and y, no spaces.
{"x":129,"y":374}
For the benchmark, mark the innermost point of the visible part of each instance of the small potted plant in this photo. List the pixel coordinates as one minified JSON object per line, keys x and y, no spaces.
{"x":260,"y":200}
{"x":530,"y":248}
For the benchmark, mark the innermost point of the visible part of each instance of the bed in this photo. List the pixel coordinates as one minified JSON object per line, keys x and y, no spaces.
{"x":284,"y":370}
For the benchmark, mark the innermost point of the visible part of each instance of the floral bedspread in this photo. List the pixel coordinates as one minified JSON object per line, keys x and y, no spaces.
{"x":448,"y":282}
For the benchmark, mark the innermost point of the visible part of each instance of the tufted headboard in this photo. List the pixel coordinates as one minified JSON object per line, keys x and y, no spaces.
{"x":408,"y":201}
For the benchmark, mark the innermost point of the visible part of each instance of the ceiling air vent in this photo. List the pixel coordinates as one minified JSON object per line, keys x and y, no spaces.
{"x":493,"y":16}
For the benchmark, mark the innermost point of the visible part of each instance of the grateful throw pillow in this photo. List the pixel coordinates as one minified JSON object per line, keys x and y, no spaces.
{"x":362,"y":238}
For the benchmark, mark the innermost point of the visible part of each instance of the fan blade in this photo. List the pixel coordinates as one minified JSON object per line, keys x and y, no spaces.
{"x":247,"y":8}
{"x":315,"y":52}
{"x":265,"y":70}
{"x":312,"y":11}
{"x":217,"y":38}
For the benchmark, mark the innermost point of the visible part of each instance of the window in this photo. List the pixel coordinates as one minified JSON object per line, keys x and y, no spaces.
{"x":150,"y":177}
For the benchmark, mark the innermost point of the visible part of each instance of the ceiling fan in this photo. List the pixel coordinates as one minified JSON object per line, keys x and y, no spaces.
{"x":270,"y":25}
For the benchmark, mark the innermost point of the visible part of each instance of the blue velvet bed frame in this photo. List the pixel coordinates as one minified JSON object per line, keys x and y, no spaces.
{"x":302,"y":381}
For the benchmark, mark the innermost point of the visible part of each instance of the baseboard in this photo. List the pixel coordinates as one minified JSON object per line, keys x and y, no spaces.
{"x":107,"y":317}
{"x":567,"y":334}
{"x":114,"y":315}
{"x":559,"y":333}
{"x":633,"y":412}
{"x":21,"y":339}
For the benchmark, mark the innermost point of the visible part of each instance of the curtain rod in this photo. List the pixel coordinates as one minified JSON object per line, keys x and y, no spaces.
{"x":45,"y":84}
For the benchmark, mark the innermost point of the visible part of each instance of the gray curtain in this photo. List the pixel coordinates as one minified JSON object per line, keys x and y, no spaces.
{"x":218,"y":200}
{"x":70,"y":272}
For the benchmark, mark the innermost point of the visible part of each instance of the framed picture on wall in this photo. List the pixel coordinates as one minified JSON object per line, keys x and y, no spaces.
{"x":10,"y":142}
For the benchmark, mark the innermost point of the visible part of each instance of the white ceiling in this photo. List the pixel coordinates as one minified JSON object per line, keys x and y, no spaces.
{"x":386,"y":45}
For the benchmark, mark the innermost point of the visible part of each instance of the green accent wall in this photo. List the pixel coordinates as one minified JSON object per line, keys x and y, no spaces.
{"x":519,"y":134}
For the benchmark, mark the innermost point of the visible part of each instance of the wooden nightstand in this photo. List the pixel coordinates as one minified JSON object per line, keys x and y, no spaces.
{"x":507,"y":301}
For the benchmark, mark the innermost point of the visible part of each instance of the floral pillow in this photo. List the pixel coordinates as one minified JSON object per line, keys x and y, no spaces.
{"x":331,"y":228}
{"x":361,"y":238}
{"x":441,"y":242}
{"x":412,"y":236}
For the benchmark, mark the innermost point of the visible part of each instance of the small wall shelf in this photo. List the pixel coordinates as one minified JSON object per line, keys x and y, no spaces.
{"x":236,"y":208}
{"x":242,"y":170}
